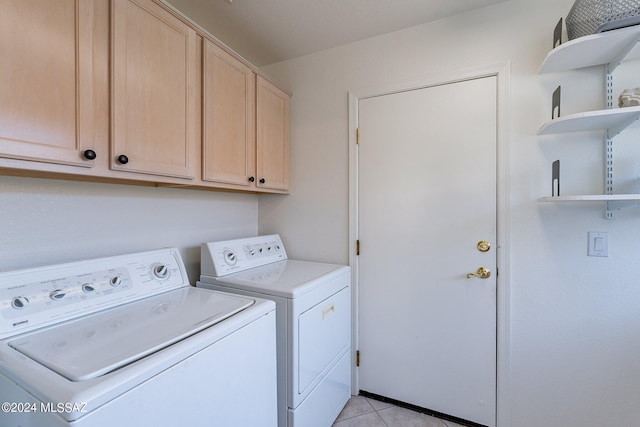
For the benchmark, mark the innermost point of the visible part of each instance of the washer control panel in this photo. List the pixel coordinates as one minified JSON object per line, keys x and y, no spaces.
{"x":39,"y":297}
{"x":231,"y":256}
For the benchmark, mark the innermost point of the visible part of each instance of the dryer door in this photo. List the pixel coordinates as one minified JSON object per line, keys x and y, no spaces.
{"x":323,"y":336}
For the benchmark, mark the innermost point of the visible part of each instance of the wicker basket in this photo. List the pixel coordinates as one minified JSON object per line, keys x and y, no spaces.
{"x":594,"y":16}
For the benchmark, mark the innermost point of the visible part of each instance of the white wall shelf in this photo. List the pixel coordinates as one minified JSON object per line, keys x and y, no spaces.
{"x":610,"y":49}
{"x":616,"y":120}
{"x":592,"y":198}
{"x":612,"y":202}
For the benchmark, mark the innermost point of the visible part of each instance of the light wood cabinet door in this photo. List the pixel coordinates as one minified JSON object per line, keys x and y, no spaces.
{"x":46,"y":92}
{"x":273,"y":136}
{"x":228,"y":120}
{"x":153,"y":104}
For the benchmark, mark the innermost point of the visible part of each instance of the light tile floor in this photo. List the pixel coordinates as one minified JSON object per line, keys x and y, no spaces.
{"x":365,"y":412}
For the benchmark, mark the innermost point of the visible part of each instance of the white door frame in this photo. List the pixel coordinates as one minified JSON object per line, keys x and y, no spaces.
{"x":502,"y":72}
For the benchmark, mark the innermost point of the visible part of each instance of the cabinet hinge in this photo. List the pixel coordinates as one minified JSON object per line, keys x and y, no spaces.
{"x":357,"y":247}
{"x":357,"y":357}
{"x":358,"y":136}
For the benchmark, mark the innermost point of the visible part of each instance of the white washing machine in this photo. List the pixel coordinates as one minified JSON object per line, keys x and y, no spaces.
{"x":313,"y":313}
{"x":126,"y":341}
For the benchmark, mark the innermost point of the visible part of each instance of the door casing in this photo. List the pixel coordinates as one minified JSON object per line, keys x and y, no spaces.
{"x":501,"y":71}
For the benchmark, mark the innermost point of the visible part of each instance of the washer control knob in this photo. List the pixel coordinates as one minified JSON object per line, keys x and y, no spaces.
{"x":87,"y":288}
{"x":115,"y":281}
{"x":161,"y":271}
{"x":19,"y":303}
{"x":57,"y":295}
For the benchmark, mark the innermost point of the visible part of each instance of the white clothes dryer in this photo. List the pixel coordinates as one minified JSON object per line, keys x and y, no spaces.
{"x":313,"y":312}
{"x":126,"y":341}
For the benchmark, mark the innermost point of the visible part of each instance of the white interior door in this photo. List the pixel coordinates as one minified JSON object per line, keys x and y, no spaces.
{"x":426,"y":197}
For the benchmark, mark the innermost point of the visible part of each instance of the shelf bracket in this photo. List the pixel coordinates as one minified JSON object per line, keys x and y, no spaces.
{"x":608,"y":86}
{"x":618,"y":129}
{"x":614,"y":131}
{"x":617,"y":60}
{"x":620,"y":204}
{"x":608,"y":173}
{"x":608,"y":143}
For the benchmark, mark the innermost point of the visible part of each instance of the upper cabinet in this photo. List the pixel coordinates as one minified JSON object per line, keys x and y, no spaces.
{"x":153,"y":106}
{"x":228,"y":119}
{"x":133,"y":91}
{"x":273,"y":136}
{"x":46,"y":93}
{"x":245,"y":122}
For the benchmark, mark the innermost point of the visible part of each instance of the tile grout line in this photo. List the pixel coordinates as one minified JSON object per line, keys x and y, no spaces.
{"x":380,"y":416}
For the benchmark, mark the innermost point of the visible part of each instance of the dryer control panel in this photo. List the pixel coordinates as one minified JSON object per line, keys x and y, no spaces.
{"x":231,"y":256}
{"x":43,"y":296}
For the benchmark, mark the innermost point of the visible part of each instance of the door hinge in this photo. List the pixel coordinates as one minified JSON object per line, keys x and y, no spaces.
{"x":358,"y":136}
{"x":357,"y":357}
{"x":357,"y":247}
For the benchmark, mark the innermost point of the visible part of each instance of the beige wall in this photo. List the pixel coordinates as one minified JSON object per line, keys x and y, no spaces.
{"x":49,"y":221}
{"x":574,"y":321}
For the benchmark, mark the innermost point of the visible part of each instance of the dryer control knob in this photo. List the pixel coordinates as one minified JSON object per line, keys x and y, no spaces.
{"x":115,"y":281}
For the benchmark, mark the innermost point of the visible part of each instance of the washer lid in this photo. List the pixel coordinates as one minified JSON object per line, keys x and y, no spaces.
{"x":94,"y":345}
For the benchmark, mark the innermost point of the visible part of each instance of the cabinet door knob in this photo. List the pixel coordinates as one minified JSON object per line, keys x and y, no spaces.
{"x":89,"y":154}
{"x":122,"y":159}
{"x":262,"y":181}
{"x":251,"y":179}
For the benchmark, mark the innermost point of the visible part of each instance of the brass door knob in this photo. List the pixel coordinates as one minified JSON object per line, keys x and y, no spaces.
{"x":483,"y":246}
{"x":481,"y":273}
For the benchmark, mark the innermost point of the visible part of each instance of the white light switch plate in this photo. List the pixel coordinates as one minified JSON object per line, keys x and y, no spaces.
{"x":598,"y":244}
